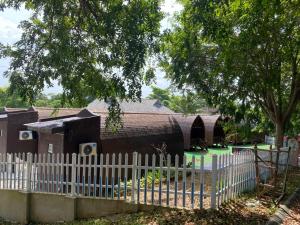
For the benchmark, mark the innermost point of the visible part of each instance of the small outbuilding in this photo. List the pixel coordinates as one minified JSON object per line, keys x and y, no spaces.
{"x":68,"y":134}
{"x":13,"y":135}
{"x":193,"y":131}
{"x":214,"y":133}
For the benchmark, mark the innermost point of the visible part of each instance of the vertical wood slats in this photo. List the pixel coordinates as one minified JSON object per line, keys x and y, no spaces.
{"x":153,"y":178}
{"x":171,"y":182}
{"x":168,"y":178}
{"x":176,"y":180}
{"x":119,"y":175}
{"x":201,"y":193}
{"x":126,"y":176}
{"x":101,"y":175}
{"x":113,"y":175}
{"x":146,"y":179}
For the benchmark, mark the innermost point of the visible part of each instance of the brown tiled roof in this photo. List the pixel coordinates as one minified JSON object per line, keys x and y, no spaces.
{"x":143,"y":133}
{"x":46,"y":112}
{"x":145,"y":106}
{"x":5,"y":110}
{"x":135,"y":124}
{"x":51,"y":125}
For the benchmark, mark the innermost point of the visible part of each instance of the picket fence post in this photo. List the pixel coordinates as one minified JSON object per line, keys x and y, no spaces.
{"x":29,"y":169}
{"x":134,"y":168}
{"x":214,"y":174}
{"x":73,"y":176}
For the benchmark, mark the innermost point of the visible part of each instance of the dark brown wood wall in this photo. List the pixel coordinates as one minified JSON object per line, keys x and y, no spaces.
{"x":15,"y":123}
{"x":81,"y":131}
{"x":75,"y":133}
{"x":142,"y":144}
{"x":3,"y":138}
{"x":57,"y":140}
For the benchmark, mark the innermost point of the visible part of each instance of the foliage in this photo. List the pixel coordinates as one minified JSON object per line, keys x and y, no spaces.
{"x":248,"y":123}
{"x":92,"y":48}
{"x":244,"y":52}
{"x":151,"y":176}
{"x":293,"y":127}
{"x":163,"y":95}
{"x":188,"y":103}
{"x":155,"y":176}
{"x":8,"y":99}
{"x":13,"y":100}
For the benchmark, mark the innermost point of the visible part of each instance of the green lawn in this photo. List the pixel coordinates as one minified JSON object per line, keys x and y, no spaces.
{"x":212,"y":151}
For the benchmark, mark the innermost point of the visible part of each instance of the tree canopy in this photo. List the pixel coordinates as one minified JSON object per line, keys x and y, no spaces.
{"x":92,"y":48}
{"x":14,"y":100}
{"x":246,"y":52}
{"x":187,"y":103}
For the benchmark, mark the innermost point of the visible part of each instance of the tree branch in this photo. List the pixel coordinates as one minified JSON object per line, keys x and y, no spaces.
{"x":295,"y":90}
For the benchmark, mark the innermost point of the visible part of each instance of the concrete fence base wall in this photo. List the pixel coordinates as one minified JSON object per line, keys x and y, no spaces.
{"x":14,"y":205}
{"x":49,"y":208}
{"x":93,"y":207}
{"x":25,"y":207}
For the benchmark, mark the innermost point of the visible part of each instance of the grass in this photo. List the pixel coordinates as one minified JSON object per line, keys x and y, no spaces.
{"x":216,"y":151}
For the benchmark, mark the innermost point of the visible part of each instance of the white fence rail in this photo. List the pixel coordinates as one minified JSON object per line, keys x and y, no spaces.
{"x":148,"y":179}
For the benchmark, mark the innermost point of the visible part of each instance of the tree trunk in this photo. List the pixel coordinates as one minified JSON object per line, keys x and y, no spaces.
{"x":279,"y":134}
{"x":279,"y":143}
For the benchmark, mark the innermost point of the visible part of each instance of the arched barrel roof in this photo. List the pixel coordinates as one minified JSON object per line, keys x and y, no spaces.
{"x":210,"y":122}
{"x":142,"y":132}
{"x":186,"y":123}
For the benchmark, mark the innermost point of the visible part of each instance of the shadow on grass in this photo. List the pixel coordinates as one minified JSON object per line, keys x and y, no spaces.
{"x":234,"y":213}
{"x":230,"y":214}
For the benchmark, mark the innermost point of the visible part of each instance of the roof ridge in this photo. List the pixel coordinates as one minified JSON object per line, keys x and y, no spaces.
{"x":142,"y":106}
{"x":42,"y":107}
{"x":151,"y":113}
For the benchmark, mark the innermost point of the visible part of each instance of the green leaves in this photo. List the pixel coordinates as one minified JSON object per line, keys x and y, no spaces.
{"x":11,"y":98}
{"x":188,"y":103}
{"x":93,"y":48}
{"x":242,"y":51}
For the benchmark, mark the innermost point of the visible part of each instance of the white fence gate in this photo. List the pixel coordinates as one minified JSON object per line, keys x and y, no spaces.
{"x":147,"y":179}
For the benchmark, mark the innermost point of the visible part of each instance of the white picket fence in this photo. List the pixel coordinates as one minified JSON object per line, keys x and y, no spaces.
{"x":155,"y":179}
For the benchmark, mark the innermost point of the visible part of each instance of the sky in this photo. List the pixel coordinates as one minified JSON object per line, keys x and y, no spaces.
{"x":10,"y":33}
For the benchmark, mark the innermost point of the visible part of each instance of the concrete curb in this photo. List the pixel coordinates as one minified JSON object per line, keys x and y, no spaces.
{"x":283,"y":210}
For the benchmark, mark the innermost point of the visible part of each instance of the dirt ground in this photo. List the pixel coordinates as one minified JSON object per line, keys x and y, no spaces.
{"x":294,"y":215}
{"x":188,"y":199}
